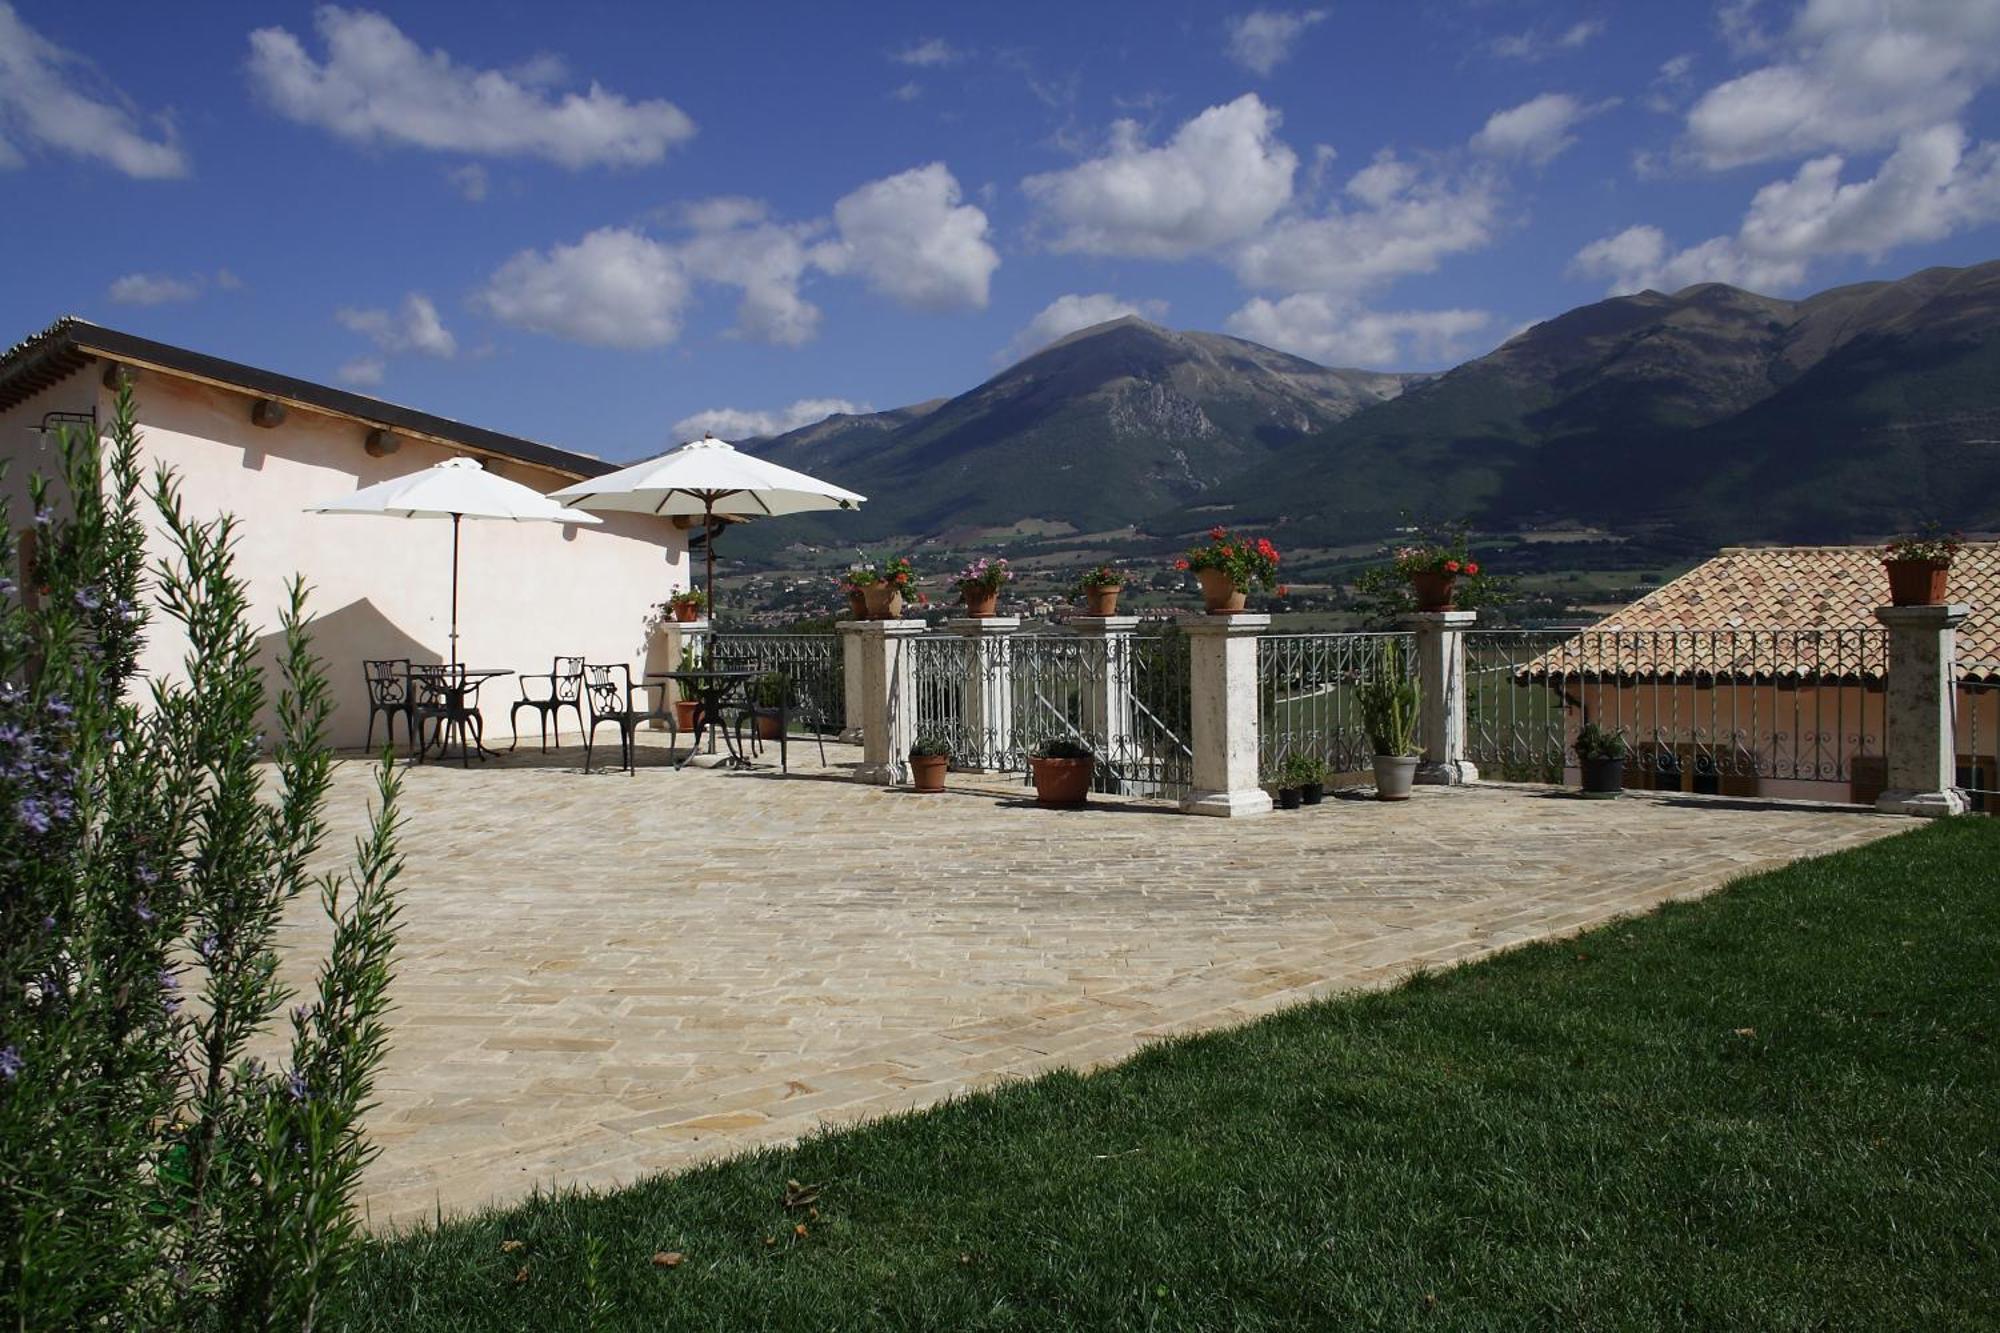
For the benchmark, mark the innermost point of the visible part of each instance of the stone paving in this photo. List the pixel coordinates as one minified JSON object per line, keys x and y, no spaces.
{"x":610,"y":975}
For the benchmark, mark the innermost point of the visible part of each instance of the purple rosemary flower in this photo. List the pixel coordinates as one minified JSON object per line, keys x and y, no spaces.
{"x":88,"y":600}
{"x":32,"y":813}
{"x":10,"y":1064}
{"x":48,"y":925}
{"x":44,"y":517}
{"x":8,"y":587}
{"x":170,"y":988}
{"x":296,"y":1086}
{"x":146,"y":875}
{"x":58,"y":706}
{"x":143,"y":912}
{"x":209,"y":944}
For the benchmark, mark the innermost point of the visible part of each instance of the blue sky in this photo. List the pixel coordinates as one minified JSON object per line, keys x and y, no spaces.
{"x":603,"y":225}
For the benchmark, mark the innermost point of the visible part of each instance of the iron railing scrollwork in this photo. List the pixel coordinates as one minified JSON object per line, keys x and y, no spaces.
{"x":811,"y":663}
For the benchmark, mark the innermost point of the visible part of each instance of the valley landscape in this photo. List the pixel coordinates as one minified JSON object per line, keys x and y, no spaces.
{"x":1592,"y":455}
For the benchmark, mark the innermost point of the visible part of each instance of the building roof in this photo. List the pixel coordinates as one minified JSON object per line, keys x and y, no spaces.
{"x":1776,"y":612}
{"x":71,"y":344}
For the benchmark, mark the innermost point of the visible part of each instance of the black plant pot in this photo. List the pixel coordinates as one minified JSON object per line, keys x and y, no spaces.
{"x":1288,"y":798}
{"x":1312,"y":793}
{"x":1603,"y":779}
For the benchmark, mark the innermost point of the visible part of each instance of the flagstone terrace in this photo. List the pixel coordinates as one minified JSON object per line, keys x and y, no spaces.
{"x":606,"y":976}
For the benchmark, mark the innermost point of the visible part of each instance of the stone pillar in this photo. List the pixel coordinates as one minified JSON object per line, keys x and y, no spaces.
{"x":1919,"y":710}
{"x":1107,"y":709}
{"x":664,"y":648}
{"x":1222,"y":678}
{"x":852,"y":710}
{"x":986,"y":695}
{"x":1441,"y":676}
{"x":888,"y":699}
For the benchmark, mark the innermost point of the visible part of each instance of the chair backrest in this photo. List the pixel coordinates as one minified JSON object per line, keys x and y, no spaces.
{"x":568,"y":679}
{"x":431,"y":681}
{"x":608,"y":688}
{"x":388,"y":680}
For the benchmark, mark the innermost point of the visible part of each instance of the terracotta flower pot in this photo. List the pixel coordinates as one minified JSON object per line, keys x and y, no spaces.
{"x":1917,"y":582}
{"x":687,"y":712}
{"x":979,"y":605}
{"x":857,"y":605}
{"x":885,"y":601}
{"x":770,"y":727}
{"x":687,"y":613}
{"x":1101,"y":601}
{"x":1219,"y":593}
{"x":1433,"y":590}
{"x":1062,"y":781}
{"x":1395,"y":774}
{"x":927,"y":771}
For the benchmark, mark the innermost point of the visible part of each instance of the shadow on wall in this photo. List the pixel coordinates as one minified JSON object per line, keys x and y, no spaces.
{"x":343,"y":640}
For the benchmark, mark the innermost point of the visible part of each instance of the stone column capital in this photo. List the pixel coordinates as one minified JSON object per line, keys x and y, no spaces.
{"x":1435,"y":620}
{"x":1947,"y":616}
{"x":883,"y":629}
{"x":1104,"y":624}
{"x":1244,"y":625}
{"x":983,"y":627}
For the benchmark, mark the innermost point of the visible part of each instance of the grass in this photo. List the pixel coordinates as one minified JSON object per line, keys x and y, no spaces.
{"x":1778,"y":1107}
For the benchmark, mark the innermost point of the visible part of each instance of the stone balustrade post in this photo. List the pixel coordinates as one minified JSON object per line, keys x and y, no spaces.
{"x":1920,"y":710}
{"x":1440,"y":639}
{"x":888,"y":699}
{"x":665,"y":647}
{"x":853,"y":710}
{"x":1108,"y":706}
{"x":1222,"y":680}
{"x":986,"y":695}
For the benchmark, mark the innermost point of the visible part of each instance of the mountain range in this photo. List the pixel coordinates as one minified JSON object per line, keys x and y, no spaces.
{"x":1709,"y":415}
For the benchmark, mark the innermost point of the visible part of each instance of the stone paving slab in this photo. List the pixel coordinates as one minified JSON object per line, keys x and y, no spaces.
{"x":608,"y":975}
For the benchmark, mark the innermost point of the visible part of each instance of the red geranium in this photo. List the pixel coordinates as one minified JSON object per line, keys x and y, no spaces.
{"x":1247,"y":561}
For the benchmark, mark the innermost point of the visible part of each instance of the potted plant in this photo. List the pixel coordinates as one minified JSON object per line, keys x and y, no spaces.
{"x":1389,"y":700}
{"x":1288,"y":795}
{"x":1228,"y":566}
{"x":1433,"y":568}
{"x":687,"y":606}
{"x":1062,"y":770}
{"x":1306,"y":772}
{"x":768,"y":694}
{"x":687,"y":712}
{"x":979,"y":585}
{"x":1601,"y":754}
{"x":1919,"y":567}
{"x":894,"y":582}
{"x":1099,"y":589}
{"x":930,"y":755}
{"x":851,"y":588}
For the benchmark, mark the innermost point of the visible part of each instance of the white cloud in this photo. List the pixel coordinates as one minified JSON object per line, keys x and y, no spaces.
{"x":1332,"y":330}
{"x":1535,"y":131}
{"x":734,"y":244}
{"x":736,"y":423}
{"x":378,"y":86}
{"x":469,"y":180}
{"x":614,"y":288}
{"x":913,"y":240}
{"x":1262,"y":40}
{"x":1539,"y":44}
{"x":44,"y":105}
{"x":153,"y":289}
{"x":413,"y":327}
{"x":1222,"y":176}
{"x":1931,"y":186}
{"x":1066,"y":314}
{"x":928,"y":53}
{"x":363,"y":371}
{"x":908,"y":92}
{"x":1851,"y":75}
{"x":1399,"y":220}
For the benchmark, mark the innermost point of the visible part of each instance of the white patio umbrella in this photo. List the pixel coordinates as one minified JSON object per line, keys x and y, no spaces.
{"x":457,"y":489}
{"x":709,"y":477}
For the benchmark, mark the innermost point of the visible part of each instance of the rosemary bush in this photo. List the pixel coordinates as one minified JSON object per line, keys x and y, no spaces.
{"x":157,"y":1173}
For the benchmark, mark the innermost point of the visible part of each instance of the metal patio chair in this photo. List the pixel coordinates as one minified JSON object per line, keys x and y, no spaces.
{"x":611,"y":695}
{"x":388,"y":681}
{"x":564,"y":685}
{"x":787,"y":707}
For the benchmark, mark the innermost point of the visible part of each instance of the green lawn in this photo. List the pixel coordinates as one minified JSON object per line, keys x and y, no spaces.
{"x":1776,"y":1108}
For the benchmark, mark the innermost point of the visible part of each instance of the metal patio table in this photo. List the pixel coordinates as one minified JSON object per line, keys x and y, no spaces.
{"x":712,"y":688}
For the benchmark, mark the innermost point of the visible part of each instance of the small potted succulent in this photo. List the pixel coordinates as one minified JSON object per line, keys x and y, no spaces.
{"x":1099,"y":589}
{"x":1062,"y":769}
{"x":895,"y":583}
{"x":1307,"y":772}
{"x":1601,"y":755}
{"x":1389,"y":701}
{"x":687,"y":606}
{"x":979,"y":585}
{"x":1228,"y":567}
{"x":768,"y":695}
{"x":930,"y":756}
{"x":1433,"y":569}
{"x":1919,"y":566}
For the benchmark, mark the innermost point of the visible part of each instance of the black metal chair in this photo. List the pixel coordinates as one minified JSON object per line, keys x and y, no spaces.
{"x":443,"y":697}
{"x":609,"y":691}
{"x":565,"y":690}
{"x":388,"y":681}
{"x":781,"y":712}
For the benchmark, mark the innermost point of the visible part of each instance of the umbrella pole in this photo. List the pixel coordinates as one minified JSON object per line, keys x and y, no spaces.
{"x":454,"y":588}
{"x":708,"y":547}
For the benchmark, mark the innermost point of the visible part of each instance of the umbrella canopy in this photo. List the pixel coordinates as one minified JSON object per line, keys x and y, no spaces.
{"x":458,"y":488}
{"x":709,"y":477}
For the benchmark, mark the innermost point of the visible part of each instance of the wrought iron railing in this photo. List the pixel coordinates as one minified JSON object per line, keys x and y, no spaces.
{"x":1734,"y":712}
{"x":1306,"y":696}
{"x":1977,"y":743}
{"x":810,"y":663}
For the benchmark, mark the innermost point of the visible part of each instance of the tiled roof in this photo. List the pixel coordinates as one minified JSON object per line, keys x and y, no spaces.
{"x":1777,"y":611}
